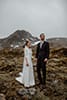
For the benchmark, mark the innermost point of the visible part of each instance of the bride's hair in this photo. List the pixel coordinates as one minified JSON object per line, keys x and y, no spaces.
{"x":27,"y":40}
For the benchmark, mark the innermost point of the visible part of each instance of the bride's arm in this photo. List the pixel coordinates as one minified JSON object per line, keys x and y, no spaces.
{"x":27,"y":64}
{"x":26,"y":57}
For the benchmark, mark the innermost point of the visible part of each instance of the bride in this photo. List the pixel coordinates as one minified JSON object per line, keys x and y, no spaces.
{"x":27,"y":75}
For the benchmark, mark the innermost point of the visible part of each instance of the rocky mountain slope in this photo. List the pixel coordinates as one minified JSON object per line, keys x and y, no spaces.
{"x":11,"y":63}
{"x":57,"y":42}
{"x":17,"y":39}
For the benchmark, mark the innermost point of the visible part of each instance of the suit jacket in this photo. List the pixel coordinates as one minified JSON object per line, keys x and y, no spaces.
{"x":42,"y":52}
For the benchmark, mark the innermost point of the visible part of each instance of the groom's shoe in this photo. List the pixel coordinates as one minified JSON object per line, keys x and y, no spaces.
{"x":42,"y":87}
{"x":39,"y":83}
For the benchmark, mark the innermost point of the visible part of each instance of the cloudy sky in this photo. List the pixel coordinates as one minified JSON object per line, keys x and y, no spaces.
{"x":35,"y":16}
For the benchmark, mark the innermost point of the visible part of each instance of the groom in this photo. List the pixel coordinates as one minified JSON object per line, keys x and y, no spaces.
{"x":42,"y":55}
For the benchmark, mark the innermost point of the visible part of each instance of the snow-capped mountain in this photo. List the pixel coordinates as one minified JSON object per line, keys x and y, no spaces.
{"x":17,"y":39}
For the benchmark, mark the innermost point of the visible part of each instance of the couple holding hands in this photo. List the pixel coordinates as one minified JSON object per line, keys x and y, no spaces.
{"x":41,"y":57}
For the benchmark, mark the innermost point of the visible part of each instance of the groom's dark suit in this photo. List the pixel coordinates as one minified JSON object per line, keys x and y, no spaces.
{"x":42,"y":53}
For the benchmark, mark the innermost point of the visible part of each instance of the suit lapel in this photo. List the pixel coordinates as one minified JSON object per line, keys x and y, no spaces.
{"x":43,"y":44}
{"x":39,"y":45}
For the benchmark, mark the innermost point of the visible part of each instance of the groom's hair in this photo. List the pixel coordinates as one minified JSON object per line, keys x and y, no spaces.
{"x":42,"y":34}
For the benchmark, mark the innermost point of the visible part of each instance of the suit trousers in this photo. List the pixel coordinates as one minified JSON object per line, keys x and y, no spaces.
{"x":41,"y":71}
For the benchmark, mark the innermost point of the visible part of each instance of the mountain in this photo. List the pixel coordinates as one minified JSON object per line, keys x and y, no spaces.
{"x":16,"y":39}
{"x":19,"y":37}
{"x":57,"y":42}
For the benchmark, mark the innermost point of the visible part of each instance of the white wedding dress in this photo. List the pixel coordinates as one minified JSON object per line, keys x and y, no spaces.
{"x":27,"y":75}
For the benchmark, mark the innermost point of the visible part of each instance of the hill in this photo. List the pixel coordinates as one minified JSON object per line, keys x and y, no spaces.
{"x":17,"y":38}
{"x":57,"y":42}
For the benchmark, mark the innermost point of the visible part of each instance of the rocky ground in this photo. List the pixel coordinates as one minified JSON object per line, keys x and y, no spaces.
{"x":11,"y":61}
